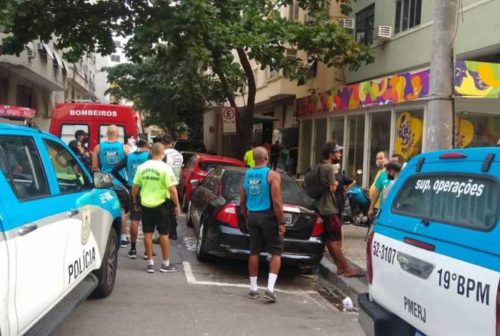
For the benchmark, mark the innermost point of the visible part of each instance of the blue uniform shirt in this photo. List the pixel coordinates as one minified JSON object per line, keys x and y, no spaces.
{"x":257,"y":189}
{"x":134,"y":160}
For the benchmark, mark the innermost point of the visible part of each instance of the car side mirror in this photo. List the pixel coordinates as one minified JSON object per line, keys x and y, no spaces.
{"x":194,"y":183}
{"x":103,"y":180}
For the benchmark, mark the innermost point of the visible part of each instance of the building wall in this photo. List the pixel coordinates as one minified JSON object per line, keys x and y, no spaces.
{"x":477,"y":36}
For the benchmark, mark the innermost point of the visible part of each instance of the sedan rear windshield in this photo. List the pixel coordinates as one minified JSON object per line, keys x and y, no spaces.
{"x":291,"y":192}
{"x":462,"y":200}
{"x":209,"y":165}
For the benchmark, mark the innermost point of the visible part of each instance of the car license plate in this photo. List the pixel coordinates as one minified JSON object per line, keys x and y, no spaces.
{"x":287,"y":218}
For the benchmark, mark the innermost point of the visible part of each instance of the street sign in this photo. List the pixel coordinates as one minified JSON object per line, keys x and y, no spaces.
{"x":228,"y":120}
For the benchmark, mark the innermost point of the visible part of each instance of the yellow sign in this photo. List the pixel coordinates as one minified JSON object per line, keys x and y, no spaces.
{"x":408,"y":135}
{"x":464,"y":132}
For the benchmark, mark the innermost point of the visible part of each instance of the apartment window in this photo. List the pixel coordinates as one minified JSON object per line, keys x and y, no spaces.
{"x":293,"y":11}
{"x":115,"y":58}
{"x":364,"y":25}
{"x":117,"y":43}
{"x":407,"y":14}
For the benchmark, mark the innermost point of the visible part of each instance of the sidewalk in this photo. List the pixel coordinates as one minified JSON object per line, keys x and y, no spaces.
{"x":355,"y":252}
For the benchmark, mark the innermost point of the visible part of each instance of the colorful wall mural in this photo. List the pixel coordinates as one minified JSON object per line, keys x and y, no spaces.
{"x":472,"y":79}
{"x":398,"y":88}
{"x":477,"y":79}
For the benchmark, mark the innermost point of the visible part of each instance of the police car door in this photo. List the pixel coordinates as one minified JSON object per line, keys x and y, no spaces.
{"x":35,"y":228}
{"x":74,"y":191}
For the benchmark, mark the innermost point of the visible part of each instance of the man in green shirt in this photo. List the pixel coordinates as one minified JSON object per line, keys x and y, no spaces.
{"x":157,"y":184}
{"x":248,"y":157}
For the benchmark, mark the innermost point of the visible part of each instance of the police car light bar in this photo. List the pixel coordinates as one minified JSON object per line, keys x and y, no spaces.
{"x":16,"y":112}
{"x":452,"y":156}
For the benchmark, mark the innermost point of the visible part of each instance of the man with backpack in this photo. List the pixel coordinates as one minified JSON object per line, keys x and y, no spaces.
{"x":321,"y":185}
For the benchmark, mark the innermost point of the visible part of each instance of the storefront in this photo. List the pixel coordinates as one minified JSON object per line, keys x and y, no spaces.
{"x":389,"y":114}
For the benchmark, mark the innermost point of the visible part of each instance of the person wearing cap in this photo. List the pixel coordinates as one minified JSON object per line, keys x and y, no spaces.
{"x":381,"y":183}
{"x":130,"y":163}
{"x":78,"y":147}
{"x":329,"y":209}
{"x":175,"y":160}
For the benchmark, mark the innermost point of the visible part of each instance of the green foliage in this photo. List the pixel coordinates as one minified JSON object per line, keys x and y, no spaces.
{"x":199,"y":35}
{"x":169,"y":93}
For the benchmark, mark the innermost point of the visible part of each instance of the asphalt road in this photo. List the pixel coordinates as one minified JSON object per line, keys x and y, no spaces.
{"x":206,"y":299}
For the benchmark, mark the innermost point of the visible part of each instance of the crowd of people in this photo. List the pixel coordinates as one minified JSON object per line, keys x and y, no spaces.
{"x":150,"y":175}
{"x":279,"y":155}
{"x":146,"y":178}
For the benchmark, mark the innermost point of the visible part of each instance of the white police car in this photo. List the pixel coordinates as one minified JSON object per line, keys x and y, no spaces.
{"x":58,"y":232}
{"x":434,"y":255}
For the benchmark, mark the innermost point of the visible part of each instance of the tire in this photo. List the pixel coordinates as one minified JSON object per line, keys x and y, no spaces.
{"x":201,"y":243}
{"x":184,"y":201}
{"x":106,"y":275}
{"x":189,"y":219}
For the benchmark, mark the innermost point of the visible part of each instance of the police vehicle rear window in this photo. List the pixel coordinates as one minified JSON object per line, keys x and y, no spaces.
{"x":462,"y":200}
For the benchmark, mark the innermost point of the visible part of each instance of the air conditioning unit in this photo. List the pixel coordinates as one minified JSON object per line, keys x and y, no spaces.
{"x":30,"y":50}
{"x":382,"y":33}
{"x":348,"y":23}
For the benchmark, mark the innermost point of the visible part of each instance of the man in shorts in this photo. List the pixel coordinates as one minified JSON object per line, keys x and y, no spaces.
{"x":329,"y":210}
{"x":262,"y":207}
{"x":130,"y":163}
{"x":157,"y":183}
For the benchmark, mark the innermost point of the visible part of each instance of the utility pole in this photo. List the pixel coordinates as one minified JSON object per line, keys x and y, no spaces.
{"x":439,"y":131}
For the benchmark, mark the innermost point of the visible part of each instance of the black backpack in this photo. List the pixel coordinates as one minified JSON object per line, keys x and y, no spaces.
{"x":314,"y":186}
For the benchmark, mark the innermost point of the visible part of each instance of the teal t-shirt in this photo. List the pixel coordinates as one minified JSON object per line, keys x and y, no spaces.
{"x":381,"y":183}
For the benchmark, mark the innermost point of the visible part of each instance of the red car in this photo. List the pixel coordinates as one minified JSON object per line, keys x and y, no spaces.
{"x":198,"y":166}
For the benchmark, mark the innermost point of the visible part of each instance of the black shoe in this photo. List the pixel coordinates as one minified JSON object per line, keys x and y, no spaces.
{"x":270,"y":296}
{"x":132,"y":254}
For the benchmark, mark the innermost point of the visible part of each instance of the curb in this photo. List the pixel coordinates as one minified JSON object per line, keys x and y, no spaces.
{"x":339,"y":285}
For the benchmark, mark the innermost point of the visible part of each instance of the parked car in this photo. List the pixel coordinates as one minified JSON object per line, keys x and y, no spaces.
{"x":197,"y":168}
{"x":59,"y":232}
{"x":186,"y":156}
{"x":434,"y":254}
{"x":221,"y":229}
{"x":190,"y":146}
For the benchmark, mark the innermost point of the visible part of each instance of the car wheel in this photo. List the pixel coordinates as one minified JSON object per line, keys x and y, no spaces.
{"x":189,"y":218}
{"x":106,"y":275}
{"x":201,"y":255}
{"x":184,"y":201}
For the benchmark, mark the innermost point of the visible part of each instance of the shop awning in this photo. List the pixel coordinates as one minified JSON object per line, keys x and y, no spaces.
{"x":260,"y":118}
{"x":46,"y":50}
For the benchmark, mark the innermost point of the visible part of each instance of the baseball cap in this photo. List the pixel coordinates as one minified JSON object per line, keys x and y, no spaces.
{"x":337,"y":148}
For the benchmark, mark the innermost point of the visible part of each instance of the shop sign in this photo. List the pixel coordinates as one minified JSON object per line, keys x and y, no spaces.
{"x":228,"y":120}
{"x":464,"y":132}
{"x":408,"y":135}
{"x":477,"y":79}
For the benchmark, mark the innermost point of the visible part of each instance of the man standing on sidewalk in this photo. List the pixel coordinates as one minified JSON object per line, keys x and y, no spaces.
{"x":157,"y":183}
{"x":262,"y":207}
{"x":175,"y":160}
{"x":130,"y":163}
{"x":329,"y":211}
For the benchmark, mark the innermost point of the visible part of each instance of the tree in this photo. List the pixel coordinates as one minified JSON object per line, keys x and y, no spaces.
{"x":169,"y":93}
{"x":206,"y":30}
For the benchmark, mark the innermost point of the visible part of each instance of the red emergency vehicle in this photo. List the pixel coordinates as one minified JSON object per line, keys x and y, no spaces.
{"x":93,"y":118}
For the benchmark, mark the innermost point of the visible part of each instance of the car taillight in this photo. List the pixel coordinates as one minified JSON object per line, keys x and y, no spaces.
{"x":369,"y":254}
{"x":318,"y":228}
{"x":498,"y":310}
{"x":228,"y":215}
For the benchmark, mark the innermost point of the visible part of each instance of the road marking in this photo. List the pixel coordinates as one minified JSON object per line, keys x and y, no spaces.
{"x":307,"y":293}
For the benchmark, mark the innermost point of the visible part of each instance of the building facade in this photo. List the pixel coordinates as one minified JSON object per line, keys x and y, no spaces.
{"x":383,"y":105}
{"x":39,"y":78}
{"x":275,"y":115}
